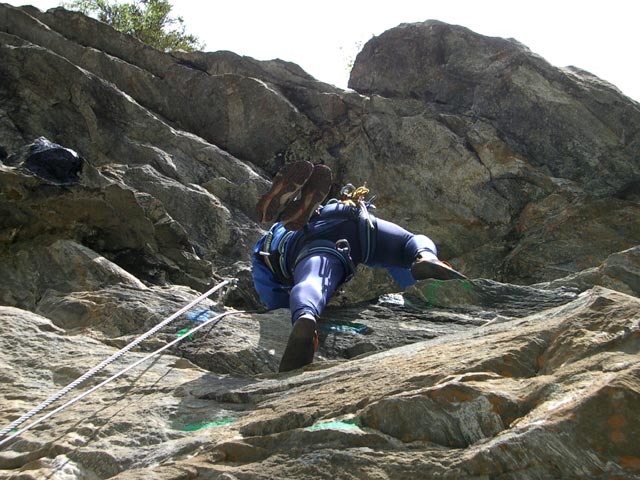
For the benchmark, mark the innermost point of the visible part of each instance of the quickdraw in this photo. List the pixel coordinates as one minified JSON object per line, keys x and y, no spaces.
{"x":351,"y":195}
{"x":354,"y":197}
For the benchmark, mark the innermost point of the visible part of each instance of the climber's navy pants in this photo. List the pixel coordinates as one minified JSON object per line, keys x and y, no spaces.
{"x":317,"y":276}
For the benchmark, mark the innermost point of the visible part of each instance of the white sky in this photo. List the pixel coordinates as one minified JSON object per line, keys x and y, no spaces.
{"x":322,"y":36}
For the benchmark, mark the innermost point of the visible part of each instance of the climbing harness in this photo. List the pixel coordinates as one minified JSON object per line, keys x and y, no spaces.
{"x":340,"y":249}
{"x":273,"y":249}
{"x":10,"y":428}
{"x":272,"y":265}
{"x":273,"y":252}
{"x":344,"y":249}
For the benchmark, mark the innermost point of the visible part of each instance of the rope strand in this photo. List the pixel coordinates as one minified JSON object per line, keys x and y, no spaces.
{"x":104,"y":363}
{"x":216,"y":319}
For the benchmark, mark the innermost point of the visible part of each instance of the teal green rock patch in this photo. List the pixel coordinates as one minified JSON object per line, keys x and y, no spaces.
{"x":438,"y":293}
{"x":343,"y":327}
{"x":216,"y":423}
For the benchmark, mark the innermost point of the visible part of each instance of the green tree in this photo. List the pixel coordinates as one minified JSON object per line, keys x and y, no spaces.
{"x":148,"y":20}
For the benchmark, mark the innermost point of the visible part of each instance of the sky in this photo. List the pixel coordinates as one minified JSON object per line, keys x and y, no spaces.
{"x":323,"y":37}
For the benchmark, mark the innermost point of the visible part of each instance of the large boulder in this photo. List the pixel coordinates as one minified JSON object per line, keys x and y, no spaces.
{"x":531,"y":148}
{"x":585,"y":130}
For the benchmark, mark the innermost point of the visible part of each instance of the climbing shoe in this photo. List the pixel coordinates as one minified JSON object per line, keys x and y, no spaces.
{"x":424,"y":268}
{"x":297,"y":212}
{"x":286,"y":185}
{"x":301,"y":346}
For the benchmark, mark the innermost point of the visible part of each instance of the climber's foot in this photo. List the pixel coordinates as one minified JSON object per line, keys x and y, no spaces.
{"x":436,"y":269}
{"x":297,"y":213}
{"x":286,"y":185}
{"x":301,"y":346}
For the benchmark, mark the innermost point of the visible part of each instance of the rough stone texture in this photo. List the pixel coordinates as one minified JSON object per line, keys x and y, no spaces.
{"x":525,"y":175}
{"x":557,"y":390}
{"x":619,"y":272}
{"x":577,"y":136}
{"x":540,"y":146}
{"x":479,"y":143}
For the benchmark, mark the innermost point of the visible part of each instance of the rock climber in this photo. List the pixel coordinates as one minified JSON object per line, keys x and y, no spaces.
{"x":313,"y":249}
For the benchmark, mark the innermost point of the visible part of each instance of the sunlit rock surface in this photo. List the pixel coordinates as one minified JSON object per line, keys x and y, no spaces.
{"x":128,"y":179}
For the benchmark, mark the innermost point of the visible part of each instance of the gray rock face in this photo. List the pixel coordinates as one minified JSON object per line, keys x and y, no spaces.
{"x":576,"y":135}
{"x":475,"y":141}
{"x":526,"y":176}
{"x":540,"y":146}
{"x":556,"y":389}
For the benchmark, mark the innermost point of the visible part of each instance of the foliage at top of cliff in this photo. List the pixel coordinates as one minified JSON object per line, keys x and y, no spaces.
{"x":150,"y":21}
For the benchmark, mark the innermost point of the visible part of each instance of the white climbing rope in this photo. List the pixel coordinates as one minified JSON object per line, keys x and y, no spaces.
{"x":104,"y":363}
{"x":216,"y":319}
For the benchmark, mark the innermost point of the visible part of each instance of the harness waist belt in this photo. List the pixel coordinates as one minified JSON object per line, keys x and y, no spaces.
{"x":273,"y":252}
